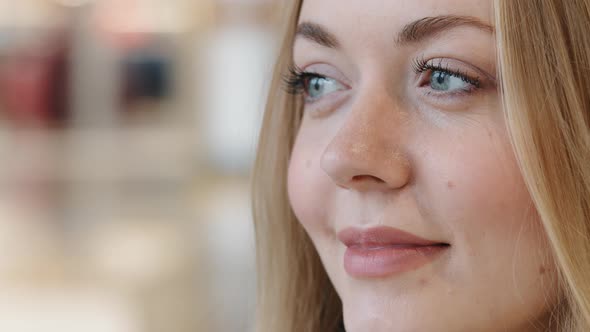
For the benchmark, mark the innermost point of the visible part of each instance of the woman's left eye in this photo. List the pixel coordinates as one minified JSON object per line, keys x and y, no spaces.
{"x":443,"y":78}
{"x":447,"y":82}
{"x":315,"y":87}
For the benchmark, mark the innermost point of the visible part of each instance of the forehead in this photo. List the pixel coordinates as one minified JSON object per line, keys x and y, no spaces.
{"x":366,"y":17}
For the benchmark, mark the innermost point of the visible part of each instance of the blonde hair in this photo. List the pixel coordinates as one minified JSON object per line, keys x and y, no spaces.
{"x":294,"y":292}
{"x":544,"y":70}
{"x":544,"y":61}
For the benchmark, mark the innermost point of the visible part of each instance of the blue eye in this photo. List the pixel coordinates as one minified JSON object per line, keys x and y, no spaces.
{"x":446,"y":82}
{"x":318,"y":86}
{"x":443,"y":78}
{"x":312,"y":86}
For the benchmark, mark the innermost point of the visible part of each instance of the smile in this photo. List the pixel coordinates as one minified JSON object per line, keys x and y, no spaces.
{"x":385,"y":251}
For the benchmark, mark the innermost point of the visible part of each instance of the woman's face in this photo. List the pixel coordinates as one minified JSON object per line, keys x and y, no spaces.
{"x":403,"y":174}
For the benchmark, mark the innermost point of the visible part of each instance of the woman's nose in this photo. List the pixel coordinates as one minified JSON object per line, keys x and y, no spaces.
{"x":367,"y":151}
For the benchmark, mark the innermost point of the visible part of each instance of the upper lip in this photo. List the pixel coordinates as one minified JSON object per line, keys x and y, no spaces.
{"x":382,"y":236}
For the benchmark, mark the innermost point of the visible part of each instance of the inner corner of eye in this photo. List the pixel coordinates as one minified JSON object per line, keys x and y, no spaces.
{"x":423,"y":78}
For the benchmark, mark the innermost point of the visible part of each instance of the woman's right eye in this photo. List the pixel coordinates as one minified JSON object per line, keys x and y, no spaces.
{"x":312,"y":86}
{"x":316,"y":87}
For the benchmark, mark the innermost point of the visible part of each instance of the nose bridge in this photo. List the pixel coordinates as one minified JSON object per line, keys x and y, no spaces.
{"x":367,"y":150}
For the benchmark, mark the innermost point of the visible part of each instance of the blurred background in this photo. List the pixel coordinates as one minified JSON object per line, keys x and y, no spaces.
{"x":127,"y":136}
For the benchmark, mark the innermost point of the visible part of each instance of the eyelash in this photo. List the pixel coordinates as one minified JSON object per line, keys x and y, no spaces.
{"x":421,"y":65}
{"x":296,"y":80}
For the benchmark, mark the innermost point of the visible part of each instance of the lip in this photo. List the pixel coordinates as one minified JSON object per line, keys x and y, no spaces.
{"x":385,"y":251}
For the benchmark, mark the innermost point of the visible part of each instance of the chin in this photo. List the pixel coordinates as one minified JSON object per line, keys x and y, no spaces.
{"x":358,"y":319}
{"x":377,"y":315}
{"x":379,"y":324}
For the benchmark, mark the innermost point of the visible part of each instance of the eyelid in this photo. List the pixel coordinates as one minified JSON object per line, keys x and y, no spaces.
{"x":328,"y":71}
{"x":456,"y":67}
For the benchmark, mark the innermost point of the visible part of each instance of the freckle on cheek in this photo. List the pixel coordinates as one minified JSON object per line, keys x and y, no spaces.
{"x":423,"y":282}
{"x":450,"y":185}
{"x":542,"y":270}
{"x":308,"y":163}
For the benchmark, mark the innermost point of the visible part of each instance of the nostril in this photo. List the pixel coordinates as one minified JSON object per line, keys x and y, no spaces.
{"x":358,"y":178}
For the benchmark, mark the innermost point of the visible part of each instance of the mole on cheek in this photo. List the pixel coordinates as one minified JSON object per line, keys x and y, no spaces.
{"x":450,"y":184}
{"x":423,"y":282}
{"x":541,"y":269}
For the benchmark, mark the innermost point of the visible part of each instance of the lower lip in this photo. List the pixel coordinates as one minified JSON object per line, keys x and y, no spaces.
{"x":363,"y":262}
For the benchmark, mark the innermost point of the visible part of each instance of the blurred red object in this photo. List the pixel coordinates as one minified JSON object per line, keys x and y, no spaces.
{"x":33,"y":86}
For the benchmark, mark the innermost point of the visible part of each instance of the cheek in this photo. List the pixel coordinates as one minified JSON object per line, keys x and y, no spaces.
{"x":474,"y":181}
{"x":472,"y":186}
{"x":479,"y":192}
{"x":488,"y":207}
{"x":308,"y":187}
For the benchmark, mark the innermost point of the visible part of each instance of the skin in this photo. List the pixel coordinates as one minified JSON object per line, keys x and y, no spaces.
{"x":383,"y":148}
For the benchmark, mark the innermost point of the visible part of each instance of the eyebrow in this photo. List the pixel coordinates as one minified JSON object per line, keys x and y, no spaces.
{"x":412,"y":32}
{"x":318,"y":34}
{"x":430,"y":26}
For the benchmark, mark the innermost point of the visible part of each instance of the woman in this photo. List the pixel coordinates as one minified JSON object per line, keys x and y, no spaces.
{"x":426,"y":168}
